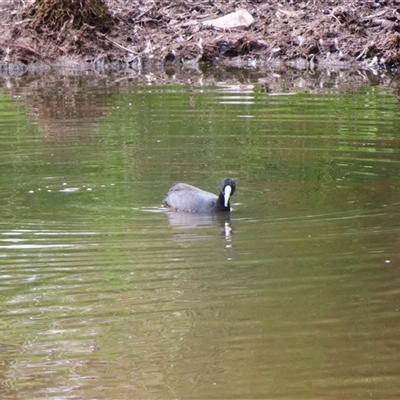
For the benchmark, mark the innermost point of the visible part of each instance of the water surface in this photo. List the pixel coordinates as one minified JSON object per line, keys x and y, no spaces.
{"x":104,"y":294}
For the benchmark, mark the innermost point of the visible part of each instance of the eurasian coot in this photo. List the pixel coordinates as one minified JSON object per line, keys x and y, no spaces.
{"x":188,"y":198}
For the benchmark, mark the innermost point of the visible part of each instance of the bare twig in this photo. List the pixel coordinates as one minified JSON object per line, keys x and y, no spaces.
{"x":26,"y":48}
{"x":115,"y":43}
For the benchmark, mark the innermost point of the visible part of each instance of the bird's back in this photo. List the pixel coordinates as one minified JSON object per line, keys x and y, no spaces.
{"x":188,"y":198}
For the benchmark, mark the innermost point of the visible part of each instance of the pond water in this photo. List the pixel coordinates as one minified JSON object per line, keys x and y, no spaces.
{"x":105,"y":295}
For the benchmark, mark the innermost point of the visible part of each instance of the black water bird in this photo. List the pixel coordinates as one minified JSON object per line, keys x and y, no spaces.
{"x":188,"y":198}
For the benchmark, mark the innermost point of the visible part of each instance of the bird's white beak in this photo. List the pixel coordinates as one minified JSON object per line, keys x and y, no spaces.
{"x":227,"y":195}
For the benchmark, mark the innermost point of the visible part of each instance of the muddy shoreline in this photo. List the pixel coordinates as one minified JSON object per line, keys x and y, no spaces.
{"x":162,"y":34}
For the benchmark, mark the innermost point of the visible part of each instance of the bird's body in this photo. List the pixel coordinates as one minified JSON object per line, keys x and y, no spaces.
{"x":188,"y":198}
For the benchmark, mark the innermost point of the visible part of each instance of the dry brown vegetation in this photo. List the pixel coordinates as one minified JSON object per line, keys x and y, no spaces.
{"x":124,"y":33}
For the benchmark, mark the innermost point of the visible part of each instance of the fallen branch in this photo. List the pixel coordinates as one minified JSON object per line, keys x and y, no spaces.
{"x":26,"y":48}
{"x":115,"y":43}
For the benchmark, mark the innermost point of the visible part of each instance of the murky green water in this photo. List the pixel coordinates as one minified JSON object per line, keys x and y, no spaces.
{"x":103,"y":295}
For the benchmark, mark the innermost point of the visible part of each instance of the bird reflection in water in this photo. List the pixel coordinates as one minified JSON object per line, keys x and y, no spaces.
{"x":193,"y":221}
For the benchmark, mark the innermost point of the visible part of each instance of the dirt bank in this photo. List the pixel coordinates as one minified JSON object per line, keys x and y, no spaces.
{"x":307,"y":34}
